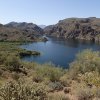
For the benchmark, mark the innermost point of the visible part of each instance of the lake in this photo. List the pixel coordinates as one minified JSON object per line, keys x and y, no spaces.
{"x":58,"y":51}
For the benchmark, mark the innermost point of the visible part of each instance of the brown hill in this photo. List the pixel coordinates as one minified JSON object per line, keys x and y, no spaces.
{"x":76,"y":28}
{"x":20,"y":32}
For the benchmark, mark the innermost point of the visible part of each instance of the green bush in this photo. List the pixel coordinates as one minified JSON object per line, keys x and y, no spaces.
{"x":50,"y":72}
{"x":91,"y":78}
{"x":86,"y":61}
{"x":13,"y":63}
{"x":37,"y":77}
{"x":21,"y":91}
{"x":2,"y":57}
{"x":65,"y":80}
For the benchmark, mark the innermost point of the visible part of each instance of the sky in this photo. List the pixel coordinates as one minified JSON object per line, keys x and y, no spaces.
{"x":46,"y":12}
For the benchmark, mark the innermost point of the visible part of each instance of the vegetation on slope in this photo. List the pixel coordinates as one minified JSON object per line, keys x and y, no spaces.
{"x":21,"y":80}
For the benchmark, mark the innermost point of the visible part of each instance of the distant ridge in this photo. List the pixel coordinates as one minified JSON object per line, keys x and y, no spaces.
{"x":42,"y":26}
{"x":23,"y":31}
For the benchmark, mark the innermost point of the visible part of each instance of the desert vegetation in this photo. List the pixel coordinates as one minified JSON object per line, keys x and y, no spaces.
{"x":20,"y":80}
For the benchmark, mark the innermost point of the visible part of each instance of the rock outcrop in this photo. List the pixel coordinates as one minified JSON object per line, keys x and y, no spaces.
{"x":76,"y":28}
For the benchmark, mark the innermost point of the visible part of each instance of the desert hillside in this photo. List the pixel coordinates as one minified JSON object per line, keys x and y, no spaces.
{"x":76,"y":28}
{"x":20,"y":32}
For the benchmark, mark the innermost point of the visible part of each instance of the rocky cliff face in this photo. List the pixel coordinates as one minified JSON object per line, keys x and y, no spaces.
{"x":20,"y":32}
{"x":76,"y":28}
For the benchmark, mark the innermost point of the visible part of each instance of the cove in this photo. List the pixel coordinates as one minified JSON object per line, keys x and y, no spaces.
{"x":58,"y":51}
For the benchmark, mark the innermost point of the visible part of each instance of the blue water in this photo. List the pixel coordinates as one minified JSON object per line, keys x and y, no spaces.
{"x":58,"y":51}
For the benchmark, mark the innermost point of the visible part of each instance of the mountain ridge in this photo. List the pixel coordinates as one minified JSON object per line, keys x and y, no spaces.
{"x":76,"y":28}
{"x":22,"y":31}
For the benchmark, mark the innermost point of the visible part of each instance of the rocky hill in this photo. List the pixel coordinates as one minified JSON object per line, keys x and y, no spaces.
{"x":20,"y":32}
{"x":76,"y":28}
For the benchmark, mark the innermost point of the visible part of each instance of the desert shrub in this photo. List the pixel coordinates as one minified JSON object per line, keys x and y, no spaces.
{"x":18,"y":91}
{"x":65,"y":80}
{"x":1,"y":72}
{"x":29,"y":65}
{"x":84,"y":95}
{"x":55,"y":86}
{"x":40,"y":91}
{"x":2,"y":57}
{"x":15,"y":76}
{"x":82,"y":91}
{"x":86,"y":61}
{"x":96,"y":91}
{"x":37,"y":77}
{"x":56,"y":96}
{"x":91,"y":78}
{"x":13,"y":63}
{"x":51,"y":72}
